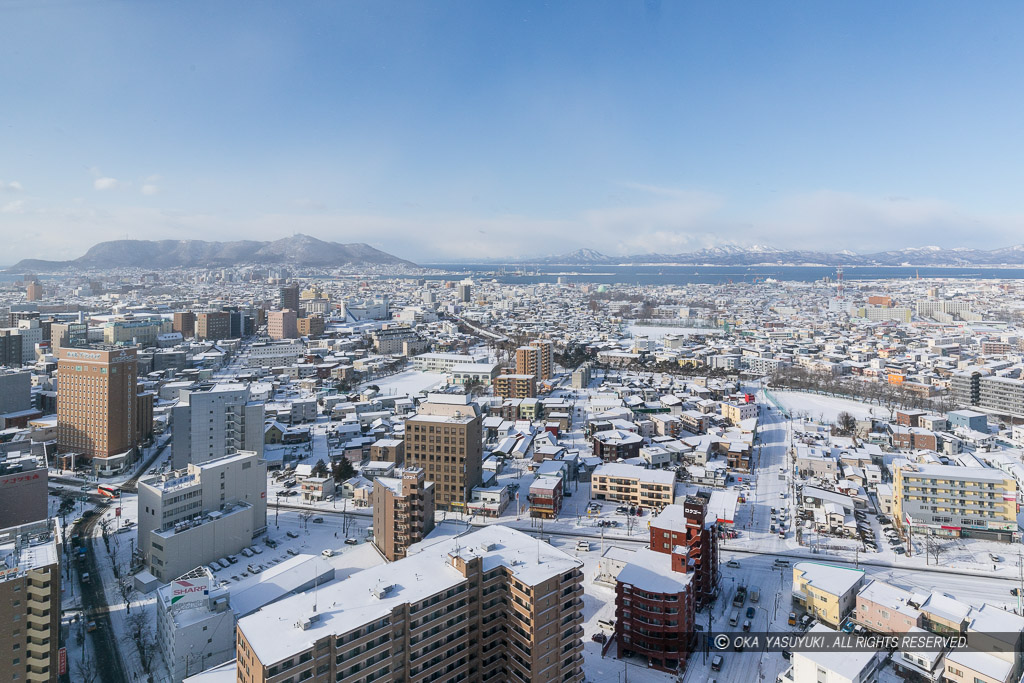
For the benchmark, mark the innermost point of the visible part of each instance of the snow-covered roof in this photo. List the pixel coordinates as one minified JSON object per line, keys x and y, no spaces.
{"x":651,"y":571}
{"x":279,"y":630}
{"x":829,"y":578}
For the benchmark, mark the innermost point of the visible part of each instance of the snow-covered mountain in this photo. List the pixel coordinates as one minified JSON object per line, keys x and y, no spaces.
{"x":297,"y":250}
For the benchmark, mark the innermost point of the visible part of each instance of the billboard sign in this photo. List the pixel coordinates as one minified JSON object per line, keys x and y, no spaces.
{"x":185,"y":592}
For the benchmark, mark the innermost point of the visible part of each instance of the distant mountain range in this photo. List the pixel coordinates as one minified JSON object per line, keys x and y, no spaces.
{"x":761,"y":255}
{"x":296,"y":250}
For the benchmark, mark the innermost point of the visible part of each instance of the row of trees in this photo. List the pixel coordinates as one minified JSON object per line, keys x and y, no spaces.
{"x":890,"y":397}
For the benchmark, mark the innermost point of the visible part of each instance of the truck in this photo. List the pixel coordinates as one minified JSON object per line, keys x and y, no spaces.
{"x":740,"y":597}
{"x":755,"y":594}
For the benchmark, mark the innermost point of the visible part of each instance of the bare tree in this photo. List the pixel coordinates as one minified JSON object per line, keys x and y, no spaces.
{"x":87,"y":671}
{"x":105,"y":532}
{"x":141,"y":633}
{"x":846,"y":424}
{"x":305,"y":516}
{"x":126,"y":589}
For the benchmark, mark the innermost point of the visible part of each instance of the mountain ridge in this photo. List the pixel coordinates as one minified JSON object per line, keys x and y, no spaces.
{"x":296,"y":250}
{"x":730,"y":255}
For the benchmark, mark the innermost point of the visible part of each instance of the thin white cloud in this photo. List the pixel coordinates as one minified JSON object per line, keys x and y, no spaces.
{"x":669,"y":222}
{"x":106,"y":183}
{"x":12,"y":186}
{"x":150,"y":189}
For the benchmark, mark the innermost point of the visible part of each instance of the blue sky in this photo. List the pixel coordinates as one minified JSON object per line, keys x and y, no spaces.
{"x":465,"y":129}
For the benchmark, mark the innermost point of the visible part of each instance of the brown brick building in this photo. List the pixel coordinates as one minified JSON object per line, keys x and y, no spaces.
{"x":403,"y":511}
{"x":687,"y":533}
{"x":97,"y":413}
{"x":654,"y":612}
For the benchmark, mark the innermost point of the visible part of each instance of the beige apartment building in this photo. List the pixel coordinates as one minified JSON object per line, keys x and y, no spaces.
{"x":445,"y":440}
{"x":947,"y":500}
{"x":282,"y":324}
{"x":490,"y":606}
{"x":403,"y":511}
{"x":96,"y":401}
{"x":632,"y":485}
{"x":30,"y":587}
{"x":515,"y":386}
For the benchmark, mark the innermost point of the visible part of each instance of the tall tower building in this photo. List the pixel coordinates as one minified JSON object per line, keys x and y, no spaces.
{"x":30,"y":556}
{"x":465,"y":291}
{"x":34,"y":291}
{"x":445,"y":440}
{"x":289,"y":297}
{"x":96,"y":401}
{"x":215,"y":421}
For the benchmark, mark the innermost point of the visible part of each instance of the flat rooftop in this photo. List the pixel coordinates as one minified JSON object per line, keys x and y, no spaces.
{"x":275,"y":632}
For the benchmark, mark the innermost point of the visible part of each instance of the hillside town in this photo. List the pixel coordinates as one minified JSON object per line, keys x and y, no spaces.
{"x":269,"y":474}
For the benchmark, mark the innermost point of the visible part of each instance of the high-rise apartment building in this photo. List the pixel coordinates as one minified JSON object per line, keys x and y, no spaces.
{"x":491,"y":606}
{"x":184,"y":322}
{"x":528,"y":361}
{"x":445,"y":439}
{"x":289,"y":297}
{"x":30,"y":588}
{"x":403,"y":511}
{"x":282,"y":324}
{"x":465,"y":292}
{"x":195,"y":515}
{"x":545,"y":358}
{"x":213,"y":326}
{"x":687,"y":533}
{"x":96,"y":403}
{"x":654,"y":612}
{"x":214,"y":421}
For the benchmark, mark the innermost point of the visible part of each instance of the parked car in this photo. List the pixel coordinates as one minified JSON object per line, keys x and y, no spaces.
{"x":292,"y":534}
{"x":351,"y":541}
{"x":733,"y":564}
{"x":751,"y":611}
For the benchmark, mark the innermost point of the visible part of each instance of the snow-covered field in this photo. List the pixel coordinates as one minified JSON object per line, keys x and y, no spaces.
{"x":825,"y":408}
{"x":657,"y":331}
{"x":407,"y":382}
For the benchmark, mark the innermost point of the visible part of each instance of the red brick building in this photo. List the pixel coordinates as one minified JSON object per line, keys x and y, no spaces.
{"x":687,"y":533}
{"x":654,"y":612}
